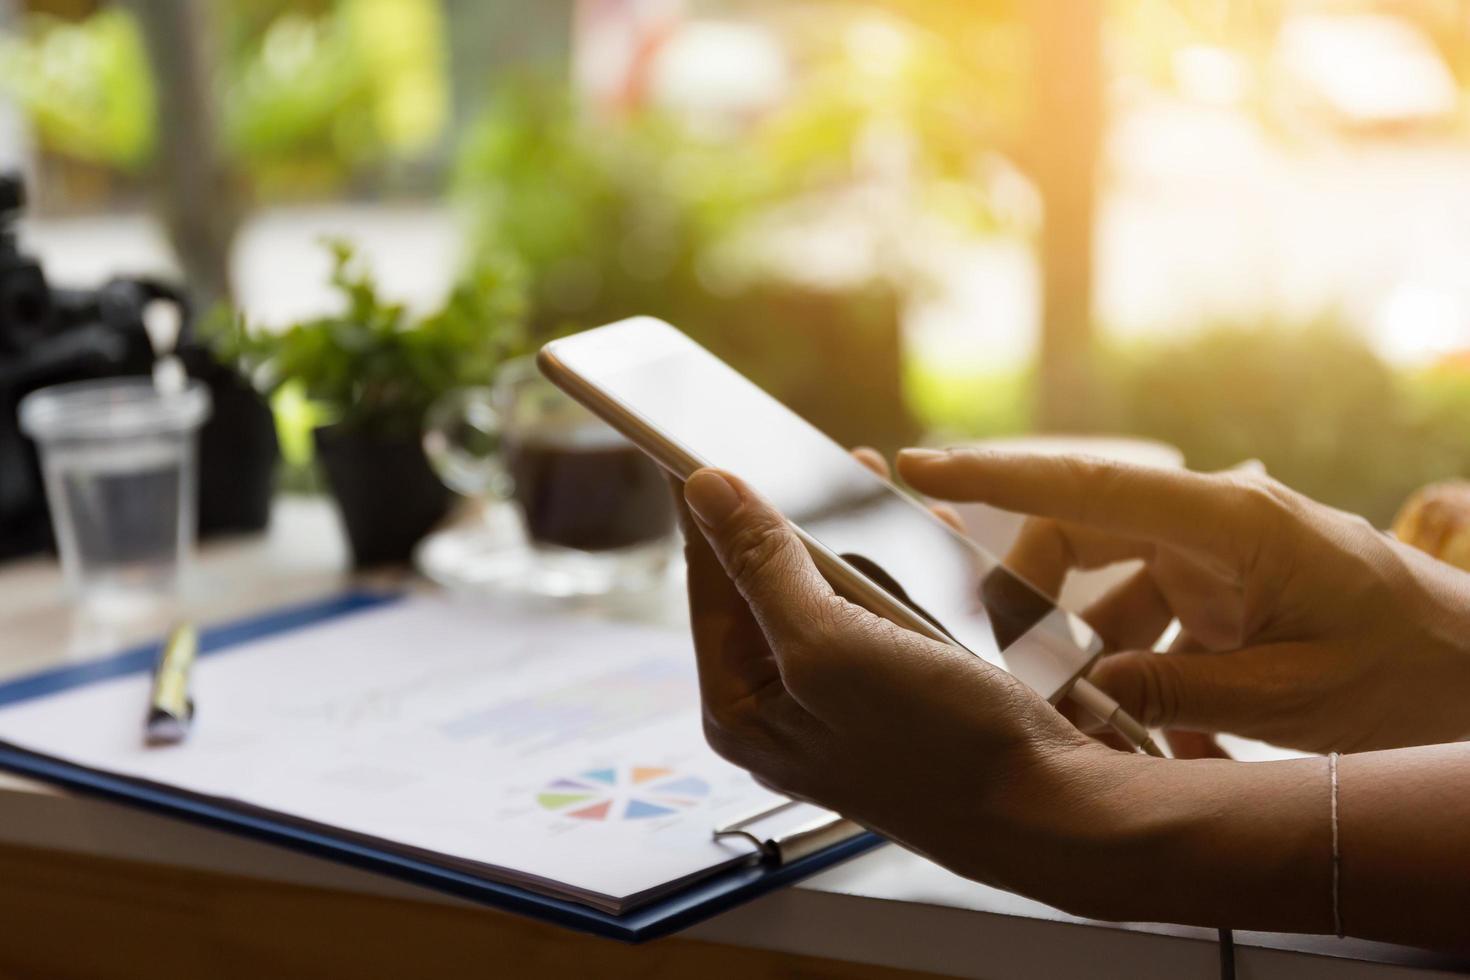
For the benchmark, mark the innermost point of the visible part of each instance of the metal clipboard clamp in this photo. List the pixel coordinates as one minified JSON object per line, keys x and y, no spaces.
{"x":796,"y":843}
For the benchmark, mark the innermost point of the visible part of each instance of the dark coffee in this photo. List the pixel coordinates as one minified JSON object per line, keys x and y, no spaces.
{"x":592,"y":494}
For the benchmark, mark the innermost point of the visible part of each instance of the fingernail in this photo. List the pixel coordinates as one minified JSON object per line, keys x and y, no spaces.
{"x":711,"y":497}
{"x":923,"y":455}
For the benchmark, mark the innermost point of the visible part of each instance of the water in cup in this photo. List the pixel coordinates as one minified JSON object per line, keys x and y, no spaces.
{"x":119,"y":460}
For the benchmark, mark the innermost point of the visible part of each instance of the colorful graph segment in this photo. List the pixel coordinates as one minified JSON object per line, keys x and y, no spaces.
{"x":642,"y":774}
{"x":597,"y":811}
{"x":623,"y":793}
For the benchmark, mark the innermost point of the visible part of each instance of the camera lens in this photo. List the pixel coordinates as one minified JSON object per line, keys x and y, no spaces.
{"x":25,"y":306}
{"x":12,"y":194}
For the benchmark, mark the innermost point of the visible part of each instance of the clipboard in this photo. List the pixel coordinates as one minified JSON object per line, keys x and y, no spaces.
{"x":780,"y":861}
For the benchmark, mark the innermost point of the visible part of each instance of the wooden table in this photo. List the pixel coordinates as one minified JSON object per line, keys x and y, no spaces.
{"x":94,"y":889}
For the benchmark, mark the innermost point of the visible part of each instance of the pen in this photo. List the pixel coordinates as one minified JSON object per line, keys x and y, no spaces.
{"x":170,"y":708}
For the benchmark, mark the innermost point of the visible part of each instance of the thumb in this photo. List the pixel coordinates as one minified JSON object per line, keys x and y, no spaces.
{"x":1207,"y":692}
{"x":760,"y":552}
{"x":835,"y":658}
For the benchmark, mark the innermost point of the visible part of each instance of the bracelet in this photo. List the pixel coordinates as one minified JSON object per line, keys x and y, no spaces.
{"x":1336,"y":851}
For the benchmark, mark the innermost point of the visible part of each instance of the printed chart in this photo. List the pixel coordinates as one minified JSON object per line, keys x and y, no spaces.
{"x":623,"y":793}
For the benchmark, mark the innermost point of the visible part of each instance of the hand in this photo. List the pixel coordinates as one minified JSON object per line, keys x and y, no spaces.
{"x":919,"y":740}
{"x":1307,"y":627}
{"x":1112,"y":619}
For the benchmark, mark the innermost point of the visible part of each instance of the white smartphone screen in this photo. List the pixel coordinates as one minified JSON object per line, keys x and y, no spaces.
{"x":719,"y":418}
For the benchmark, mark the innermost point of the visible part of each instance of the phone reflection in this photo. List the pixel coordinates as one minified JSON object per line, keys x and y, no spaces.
{"x":951,"y":582}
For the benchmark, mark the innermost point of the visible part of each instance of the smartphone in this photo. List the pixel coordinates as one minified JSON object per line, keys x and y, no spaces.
{"x":876,"y":544}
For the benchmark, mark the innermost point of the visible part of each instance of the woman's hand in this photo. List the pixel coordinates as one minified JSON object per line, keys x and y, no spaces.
{"x":955,"y":759}
{"x":1305,"y":626}
{"x":919,"y":740}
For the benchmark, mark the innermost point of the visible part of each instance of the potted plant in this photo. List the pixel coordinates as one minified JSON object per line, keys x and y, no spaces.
{"x":370,"y":371}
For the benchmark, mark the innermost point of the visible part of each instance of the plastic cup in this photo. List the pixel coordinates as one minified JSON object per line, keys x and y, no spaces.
{"x":119,"y":459}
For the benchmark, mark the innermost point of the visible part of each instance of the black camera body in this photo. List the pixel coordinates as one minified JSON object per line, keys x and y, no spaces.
{"x":50,"y":336}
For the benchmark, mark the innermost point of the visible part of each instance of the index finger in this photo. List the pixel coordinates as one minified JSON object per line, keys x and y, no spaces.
{"x":1167,"y":506}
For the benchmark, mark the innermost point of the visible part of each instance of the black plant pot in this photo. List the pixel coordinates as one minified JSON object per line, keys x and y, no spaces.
{"x":388,"y":495}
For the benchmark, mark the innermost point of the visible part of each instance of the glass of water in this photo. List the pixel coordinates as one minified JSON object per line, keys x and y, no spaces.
{"x":119,"y":458}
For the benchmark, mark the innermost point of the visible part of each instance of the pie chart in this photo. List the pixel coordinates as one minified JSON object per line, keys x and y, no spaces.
{"x":623,"y":793}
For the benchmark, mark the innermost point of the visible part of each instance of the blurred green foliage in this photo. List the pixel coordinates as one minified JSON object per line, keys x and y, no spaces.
{"x":86,"y":86}
{"x":645,"y":213}
{"x":612,"y":216}
{"x":372,"y":367}
{"x":594,"y":211}
{"x":312,"y":98}
{"x":1315,"y":405}
{"x":956,"y":405}
{"x":961,"y":69}
{"x":311,"y":95}
{"x":916,"y":95}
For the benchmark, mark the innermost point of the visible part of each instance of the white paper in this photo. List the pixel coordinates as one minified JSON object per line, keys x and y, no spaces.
{"x":567,"y":753}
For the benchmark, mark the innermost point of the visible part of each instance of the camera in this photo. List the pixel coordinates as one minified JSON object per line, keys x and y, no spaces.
{"x":49,"y":336}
